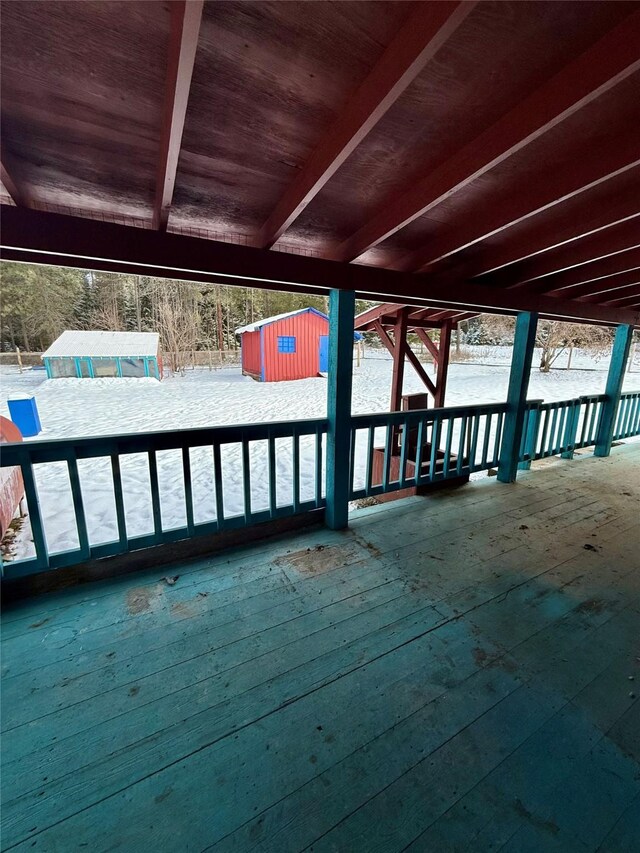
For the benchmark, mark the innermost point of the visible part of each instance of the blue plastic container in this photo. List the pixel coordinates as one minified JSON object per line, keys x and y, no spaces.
{"x":24,"y":413}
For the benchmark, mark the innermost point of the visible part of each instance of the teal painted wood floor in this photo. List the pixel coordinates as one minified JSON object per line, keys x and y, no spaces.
{"x":451,"y":674}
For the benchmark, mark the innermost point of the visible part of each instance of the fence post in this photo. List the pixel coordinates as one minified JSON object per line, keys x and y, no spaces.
{"x":341,"y":317}
{"x":531,"y":434}
{"x":523,"y":345}
{"x":619,"y":356}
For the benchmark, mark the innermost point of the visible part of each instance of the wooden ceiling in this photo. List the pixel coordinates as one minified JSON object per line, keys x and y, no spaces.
{"x":485,"y":150}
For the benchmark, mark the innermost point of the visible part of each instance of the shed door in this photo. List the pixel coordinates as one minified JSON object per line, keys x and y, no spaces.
{"x":323,"y":354}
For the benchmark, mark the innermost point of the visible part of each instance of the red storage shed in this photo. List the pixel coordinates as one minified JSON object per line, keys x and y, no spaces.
{"x":288,"y":346}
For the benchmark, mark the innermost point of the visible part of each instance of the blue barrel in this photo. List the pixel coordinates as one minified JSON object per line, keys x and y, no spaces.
{"x":24,"y":413}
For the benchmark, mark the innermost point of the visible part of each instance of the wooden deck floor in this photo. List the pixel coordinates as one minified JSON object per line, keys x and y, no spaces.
{"x":451,"y":674}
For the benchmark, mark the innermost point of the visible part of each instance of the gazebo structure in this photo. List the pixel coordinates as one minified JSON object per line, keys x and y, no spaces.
{"x":455,"y":672}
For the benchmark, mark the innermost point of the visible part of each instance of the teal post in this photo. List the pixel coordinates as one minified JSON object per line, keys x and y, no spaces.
{"x":523,"y":346}
{"x":341,"y":317}
{"x":619,"y":358}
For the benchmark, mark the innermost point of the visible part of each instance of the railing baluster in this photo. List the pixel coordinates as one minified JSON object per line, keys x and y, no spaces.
{"x":545,"y":430}
{"x":404,"y":449}
{"x":552,"y":432}
{"x":435,"y":446}
{"x":217,"y":476}
{"x":473,"y":448}
{"x":496,"y":447}
{"x":486,"y":439}
{"x":271,"y":462}
{"x":121,"y":517}
{"x":446,"y":464}
{"x":388,"y":448}
{"x":318,"y":461}
{"x":78,"y":505}
{"x":246,"y":480}
{"x":419,"y":449}
{"x":35,"y":516}
{"x":188,"y":488}
{"x":295,"y":441}
{"x":463,"y":435}
{"x":155,"y":495}
{"x":370,"y":443}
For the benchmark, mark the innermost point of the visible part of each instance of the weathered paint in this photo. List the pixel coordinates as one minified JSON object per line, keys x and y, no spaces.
{"x":523,"y":345}
{"x":615,"y":377}
{"x":341,"y":316}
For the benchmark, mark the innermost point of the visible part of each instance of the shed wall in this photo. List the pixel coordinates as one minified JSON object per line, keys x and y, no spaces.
{"x":250,"y":342}
{"x":306,"y":328}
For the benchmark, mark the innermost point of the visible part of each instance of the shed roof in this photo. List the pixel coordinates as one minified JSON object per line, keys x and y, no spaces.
{"x":106,"y":344}
{"x":253,"y":327}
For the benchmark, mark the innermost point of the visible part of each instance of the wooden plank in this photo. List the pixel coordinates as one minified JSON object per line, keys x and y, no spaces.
{"x":600,"y":68}
{"x":424,"y":32}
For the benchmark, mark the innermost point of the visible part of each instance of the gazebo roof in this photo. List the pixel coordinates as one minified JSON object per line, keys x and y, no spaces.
{"x":474,"y":156}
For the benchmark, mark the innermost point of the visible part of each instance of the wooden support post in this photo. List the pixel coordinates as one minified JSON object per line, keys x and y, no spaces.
{"x":619,"y":356}
{"x":400,"y":346}
{"x":523,"y":346}
{"x":443,"y":364}
{"x":341,"y":317}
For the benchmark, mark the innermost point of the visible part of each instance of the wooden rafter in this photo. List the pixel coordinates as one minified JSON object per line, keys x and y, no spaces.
{"x":550,"y":234}
{"x":573,"y":281}
{"x":613,"y":241}
{"x":39,"y":237}
{"x":608,"y":62}
{"x":423,"y":34}
{"x":183,"y":42}
{"x":630,"y":299}
{"x":560,"y":185}
{"x":604,"y":289}
{"x":599,"y":284}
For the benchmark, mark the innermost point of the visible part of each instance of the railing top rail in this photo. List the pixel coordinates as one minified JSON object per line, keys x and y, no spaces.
{"x":630,"y":394}
{"x":57,"y":449}
{"x":426,"y":414}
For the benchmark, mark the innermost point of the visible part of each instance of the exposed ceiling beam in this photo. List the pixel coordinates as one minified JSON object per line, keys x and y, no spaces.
{"x":593,"y":285}
{"x":548,"y":235}
{"x":568,"y":180}
{"x":612,"y":59}
{"x":632,"y":299}
{"x":183,"y":42}
{"x":428,"y":27}
{"x":565,"y":282}
{"x":17,"y":194}
{"x":612,"y":241}
{"x":603,"y":290}
{"x":49,"y":238}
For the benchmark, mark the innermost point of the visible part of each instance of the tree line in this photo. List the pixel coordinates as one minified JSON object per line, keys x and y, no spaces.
{"x":38,"y":303}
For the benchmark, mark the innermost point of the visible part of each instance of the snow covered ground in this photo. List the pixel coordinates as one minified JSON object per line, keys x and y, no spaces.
{"x":80,"y":407}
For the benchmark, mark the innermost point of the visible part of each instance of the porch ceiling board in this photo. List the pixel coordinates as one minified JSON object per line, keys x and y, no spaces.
{"x":607,"y":63}
{"x":325,"y":132}
{"x":426,"y":29}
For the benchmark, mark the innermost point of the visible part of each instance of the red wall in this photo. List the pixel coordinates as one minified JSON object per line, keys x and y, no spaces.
{"x":306,"y":328}
{"x":251,"y":353}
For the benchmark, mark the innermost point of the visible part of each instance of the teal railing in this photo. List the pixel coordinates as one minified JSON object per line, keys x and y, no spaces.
{"x":552,"y":429}
{"x":273,"y":470}
{"x":627,"y":422}
{"x":83,"y":456}
{"x":406,"y":449}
